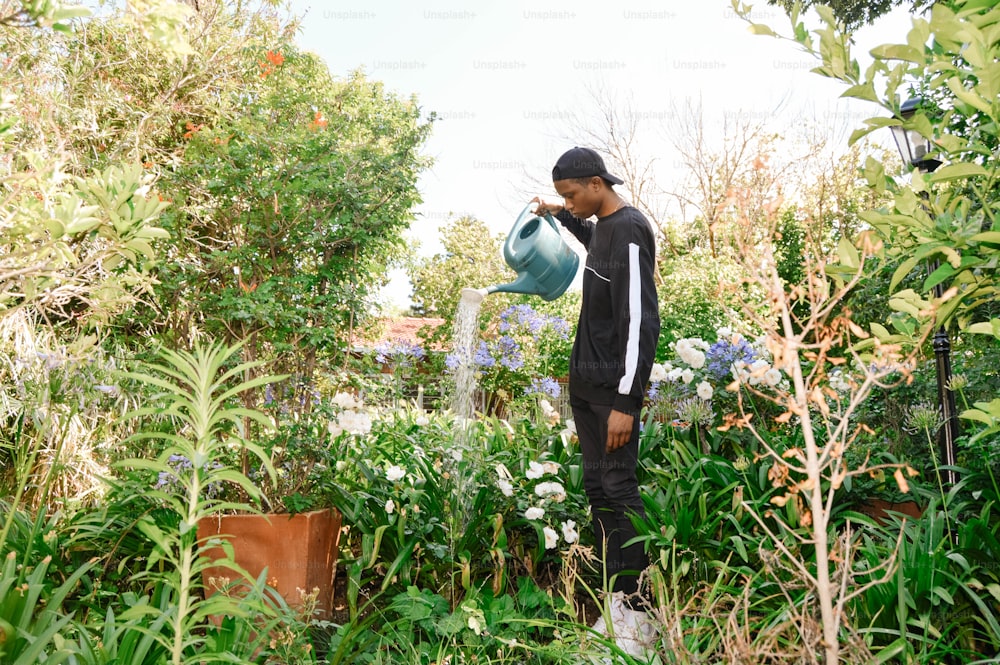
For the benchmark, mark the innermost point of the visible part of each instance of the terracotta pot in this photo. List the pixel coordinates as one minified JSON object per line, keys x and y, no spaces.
{"x":880,"y":509}
{"x":299,"y":552}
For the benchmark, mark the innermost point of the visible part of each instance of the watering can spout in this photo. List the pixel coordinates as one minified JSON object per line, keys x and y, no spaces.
{"x":544,"y":263}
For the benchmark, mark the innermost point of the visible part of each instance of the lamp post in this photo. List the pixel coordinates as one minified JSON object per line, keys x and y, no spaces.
{"x":917,"y":152}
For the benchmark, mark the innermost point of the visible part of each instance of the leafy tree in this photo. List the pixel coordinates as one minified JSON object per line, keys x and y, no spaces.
{"x":855,"y":13}
{"x":471,"y":258}
{"x":293,"y":206}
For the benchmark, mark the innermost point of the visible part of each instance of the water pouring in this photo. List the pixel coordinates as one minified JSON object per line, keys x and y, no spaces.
{"x":535,"y":250}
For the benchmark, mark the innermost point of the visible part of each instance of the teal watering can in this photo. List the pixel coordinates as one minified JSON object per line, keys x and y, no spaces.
{"x":544,"y":263}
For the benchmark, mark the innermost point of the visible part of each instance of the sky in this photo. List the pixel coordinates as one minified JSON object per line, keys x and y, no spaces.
{"x":513,"y":85}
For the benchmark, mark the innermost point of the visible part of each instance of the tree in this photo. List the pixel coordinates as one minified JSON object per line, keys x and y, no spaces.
{"x":470,"y":259}
{"x":292,"y":207}
{"x":855,"y":13}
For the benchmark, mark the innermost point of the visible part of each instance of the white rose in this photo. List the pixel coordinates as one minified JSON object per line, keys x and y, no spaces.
{"x":534,"y":513}
{"x":772,"y":377}
{"x":394,"y":473}
{"x":550,"y":467}
{"x":390,"y":506}
{"x":535,"y":470}
{"x":687,"y":376}
{"x":658,"y":373}
{"x":705,"y":390}
{"x":506,"y":487}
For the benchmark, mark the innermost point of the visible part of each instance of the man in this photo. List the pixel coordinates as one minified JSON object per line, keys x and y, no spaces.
{"x":609,"y":367}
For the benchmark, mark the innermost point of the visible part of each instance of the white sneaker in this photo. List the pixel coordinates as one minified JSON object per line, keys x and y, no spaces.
{"x":634,"y":631}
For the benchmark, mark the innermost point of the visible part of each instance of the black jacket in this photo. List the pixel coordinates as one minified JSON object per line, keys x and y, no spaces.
{"x":619,"y":319}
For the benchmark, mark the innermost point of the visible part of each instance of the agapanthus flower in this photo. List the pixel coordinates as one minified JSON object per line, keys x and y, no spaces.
{"x":544,"y":386}
{"x":726,"y":354}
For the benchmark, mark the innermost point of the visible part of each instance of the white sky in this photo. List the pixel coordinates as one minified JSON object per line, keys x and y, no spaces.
{"x":508,"y":78}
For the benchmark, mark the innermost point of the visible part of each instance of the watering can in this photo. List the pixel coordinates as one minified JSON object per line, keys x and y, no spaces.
{"x":544,"y":263}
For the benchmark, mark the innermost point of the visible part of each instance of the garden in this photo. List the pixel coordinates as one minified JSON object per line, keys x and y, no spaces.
{"x":196,"y":218}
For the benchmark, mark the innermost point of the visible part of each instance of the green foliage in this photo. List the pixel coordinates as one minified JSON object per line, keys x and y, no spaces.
{"x":76,"y":248}
{"x":301,"y":197}
{"x":470,"y":258}
{"x":197,"y":395}
{"x":693,"y":299}
{"x":438,"y":507}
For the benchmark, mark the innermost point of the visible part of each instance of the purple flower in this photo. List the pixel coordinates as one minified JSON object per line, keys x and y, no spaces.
{"x":483,"y":357}
{"x":545,"y":386}
{"x":654,"y":390}
{"x":721,"y":356}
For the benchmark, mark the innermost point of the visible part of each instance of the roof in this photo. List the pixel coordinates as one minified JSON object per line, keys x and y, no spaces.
{"x":397,"y":329}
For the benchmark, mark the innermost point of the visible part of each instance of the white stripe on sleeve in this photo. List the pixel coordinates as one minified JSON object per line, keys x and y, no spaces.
{"x":634,"y":319}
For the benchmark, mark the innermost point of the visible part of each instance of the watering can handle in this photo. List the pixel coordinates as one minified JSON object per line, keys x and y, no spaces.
{"x":522,"y":219}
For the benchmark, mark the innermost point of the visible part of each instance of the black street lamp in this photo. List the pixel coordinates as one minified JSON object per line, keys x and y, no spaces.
{"x":918,"y":151}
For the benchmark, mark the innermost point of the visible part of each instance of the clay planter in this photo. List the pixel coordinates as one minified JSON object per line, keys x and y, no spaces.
{"x":299,"y":552}
{"x":880,"y":509}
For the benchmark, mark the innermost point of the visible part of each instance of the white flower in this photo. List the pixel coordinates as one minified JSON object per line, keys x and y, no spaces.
{"x":696,"y":359}
{"x":687,"y":376}
{"x":569,"y":531}
{"x":724,"y":332}
{"x":772,"y":377}
{"x":423,"y":421}
{"x":346,"y":401}
{"x":547,"y":409}
{"x":705,"y":390}
{"x":551,"y":467}
{"x":550,"y":489}
{"x":535,"y":470}
{"x":551,"y":538}
{"x":658,"y":373}
{"x":334,"y":429}
{"x":341,"y":465}
{"x":394,"y":473}
{"x":390,"y":506}
{"x":534,"y":513}
{"x":674,"y":374}
{"x":571,"y":426}
{"x":355,"y":422}
{"x":506,"y":487}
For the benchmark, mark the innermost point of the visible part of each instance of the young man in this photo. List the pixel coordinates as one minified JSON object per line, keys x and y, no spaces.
{"x":611,"y":360}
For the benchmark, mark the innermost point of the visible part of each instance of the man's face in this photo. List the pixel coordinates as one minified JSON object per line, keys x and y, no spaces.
{"x":582,"y":200}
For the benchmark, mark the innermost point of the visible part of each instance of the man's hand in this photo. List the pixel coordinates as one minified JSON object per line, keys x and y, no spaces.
{"x":546,"y":208}
{"x":619,"y":429}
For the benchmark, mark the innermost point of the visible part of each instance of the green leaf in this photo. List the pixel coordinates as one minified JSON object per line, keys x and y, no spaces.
{"x":898,"y":52}
{"x":761,"y":29}
{"x":956,"y":171}
{"x":848,"y":254}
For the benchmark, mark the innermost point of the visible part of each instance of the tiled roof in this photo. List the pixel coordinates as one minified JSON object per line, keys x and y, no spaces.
{"x":404,"y":328}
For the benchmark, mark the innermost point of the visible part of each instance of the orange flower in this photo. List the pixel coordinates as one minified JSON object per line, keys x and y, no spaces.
{"x":275,"y":58}
{"x":318,"y":121}
{"x":192,"y":129}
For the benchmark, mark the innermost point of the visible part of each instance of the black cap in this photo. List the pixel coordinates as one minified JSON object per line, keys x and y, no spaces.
{"x":581,"y":163}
